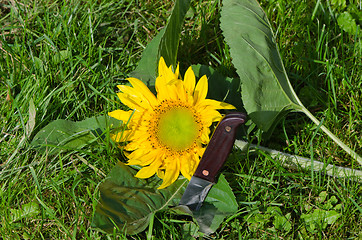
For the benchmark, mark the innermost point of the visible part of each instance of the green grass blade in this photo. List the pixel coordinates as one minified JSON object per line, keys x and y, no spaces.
{"x":353,"y":154}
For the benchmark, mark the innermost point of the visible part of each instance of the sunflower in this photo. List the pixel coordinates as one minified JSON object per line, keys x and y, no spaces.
{"x":167,"y":134}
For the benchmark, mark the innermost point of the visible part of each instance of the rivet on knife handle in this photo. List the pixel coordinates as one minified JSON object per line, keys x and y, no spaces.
{"x":219,"y":146}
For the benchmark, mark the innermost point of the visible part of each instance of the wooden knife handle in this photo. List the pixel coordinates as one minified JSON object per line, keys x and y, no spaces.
{"x":219,"y":146}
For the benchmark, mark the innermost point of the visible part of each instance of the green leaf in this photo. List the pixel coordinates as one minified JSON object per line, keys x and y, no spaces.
{"x":26,"y":211}
{"x":332,"y":216}
{"x":38,"y":64}
{"x":127,"y":203}
{"x":64,"y":134}
{"x":165,"y":44}
{"x":61,"y":56}
{"x":333,"y":200}
{"x":170,"y":40}
{"x":256,"y":220}
{"x":320,"y":218}
{"x":280,"y":221}
{"x":266,"y":91}
{"x":338,"y":4}
{"x":322,"y":196}
{"x":190,"y":231}
{"x":347,"y":23}
{"x":219,"y":203}
{"x":221,"y":88}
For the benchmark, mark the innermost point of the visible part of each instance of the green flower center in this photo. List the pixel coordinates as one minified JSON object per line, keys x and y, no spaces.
{"x":177,"y":128}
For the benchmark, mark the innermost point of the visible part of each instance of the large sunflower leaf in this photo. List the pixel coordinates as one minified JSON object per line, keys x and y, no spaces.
{"x":164,"y":44}
{"x":65,"y":134}
{"x":266,"y":91}
{"x":127,"y":203}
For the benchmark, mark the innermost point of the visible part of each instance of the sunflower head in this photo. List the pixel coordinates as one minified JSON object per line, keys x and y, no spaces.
{"x":167,"y":133}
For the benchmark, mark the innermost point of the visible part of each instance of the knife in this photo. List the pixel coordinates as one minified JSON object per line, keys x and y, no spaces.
{"x":212,"y":160}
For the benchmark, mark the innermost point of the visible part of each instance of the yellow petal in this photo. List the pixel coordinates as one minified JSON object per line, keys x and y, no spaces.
{"x":165,"y":91}
{"x":143,"y":157}
{"x":143,"y":89}
{"x":162,"y":68}
{"x":121,"y":136}
{"x":130,"y":101}
{"x":136,"y":135}
{"x":120,"y":115}
{"x":171,"y":174}
{"x":188,"y":165}
{"x":205,"y":138}
{"x":214,"y":104}
{"x":189,"y":81}
{"x":137,"y":154}
{"x":161,"y":89}
{"x":134,"y":161}
{"x":151,"y":157}
{"x":135,"y":96}
{"x":161,"y":173}
{"x":136,"y":144}
{"x":177,"y":72}
{"x":200,"y":151}
{"x":209,"y":115}
{"x":148,"y":171}
{"x":201,"y":89}
{"x":166,"y":72}
{"x":177,"y":91}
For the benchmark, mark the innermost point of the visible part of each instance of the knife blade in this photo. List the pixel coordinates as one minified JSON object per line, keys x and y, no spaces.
{"x":212,"y":160}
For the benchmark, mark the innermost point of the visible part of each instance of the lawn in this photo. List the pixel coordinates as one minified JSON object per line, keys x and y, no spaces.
{"x":63,"y":60}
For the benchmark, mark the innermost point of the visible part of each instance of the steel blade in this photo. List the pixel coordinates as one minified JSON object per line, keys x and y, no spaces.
{"x":195,"y":193}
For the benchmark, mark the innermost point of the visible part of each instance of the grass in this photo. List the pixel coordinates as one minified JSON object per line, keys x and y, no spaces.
{"x":68,"y":56}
